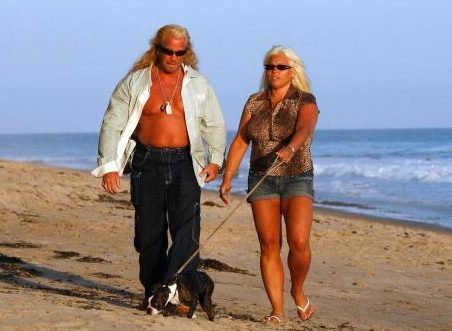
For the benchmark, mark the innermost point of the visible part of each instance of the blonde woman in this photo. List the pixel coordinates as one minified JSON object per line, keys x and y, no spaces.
{"x":279,"y":121}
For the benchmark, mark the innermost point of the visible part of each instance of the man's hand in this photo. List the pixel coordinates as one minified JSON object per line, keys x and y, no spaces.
{"x":210,"y":171}
{"x":110,"y":182}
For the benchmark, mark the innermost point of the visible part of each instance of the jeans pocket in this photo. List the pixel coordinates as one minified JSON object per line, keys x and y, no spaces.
{"x":137,"y":160}
{"x":253,"y":180}
{"x":135,"y":179}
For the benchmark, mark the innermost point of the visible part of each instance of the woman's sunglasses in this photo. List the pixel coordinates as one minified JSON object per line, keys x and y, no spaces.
{"x":170,"y":52}
{"x":280,"y":67}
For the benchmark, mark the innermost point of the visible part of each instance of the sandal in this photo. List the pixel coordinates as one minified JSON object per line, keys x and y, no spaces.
{"x":308,"y":310}
{"x":271,"y":319}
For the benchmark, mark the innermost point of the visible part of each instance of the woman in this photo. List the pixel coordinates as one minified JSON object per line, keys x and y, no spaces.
{"x":279,"y":121}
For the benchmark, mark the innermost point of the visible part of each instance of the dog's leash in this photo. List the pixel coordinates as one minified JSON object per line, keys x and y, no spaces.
{"x":269,"y":171}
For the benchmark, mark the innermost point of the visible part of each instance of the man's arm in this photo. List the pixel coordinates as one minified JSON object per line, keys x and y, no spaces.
{"x":213,"y":132}
{"x":213,"y":128}
{"x":114,"y":121}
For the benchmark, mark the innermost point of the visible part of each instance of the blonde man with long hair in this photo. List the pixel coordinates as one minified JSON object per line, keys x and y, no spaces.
{"x":150,"y":56}
{"x":279,"y":121}
{"x":165,"y":124}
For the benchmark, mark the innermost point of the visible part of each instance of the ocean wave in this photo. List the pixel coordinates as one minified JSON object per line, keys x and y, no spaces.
{"x":428,"y":153}
{"x":331,"y":203}
{"x":421,"y":171}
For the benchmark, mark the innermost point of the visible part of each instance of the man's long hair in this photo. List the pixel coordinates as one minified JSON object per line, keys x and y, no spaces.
{"x":300,"y":79}
{"x":172,"y":30}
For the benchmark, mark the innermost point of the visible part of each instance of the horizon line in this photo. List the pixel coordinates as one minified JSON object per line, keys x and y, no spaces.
{"x":319,"y":129}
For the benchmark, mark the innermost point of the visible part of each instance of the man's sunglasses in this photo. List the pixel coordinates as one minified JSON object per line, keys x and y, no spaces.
{"x":170,"y":52}
{"x":280,"y":67}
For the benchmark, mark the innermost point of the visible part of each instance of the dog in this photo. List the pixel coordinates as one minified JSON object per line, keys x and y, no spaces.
{"x":186,"y":288}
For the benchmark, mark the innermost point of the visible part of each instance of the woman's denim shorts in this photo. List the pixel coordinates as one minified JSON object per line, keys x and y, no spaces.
{"x":281,"y":187}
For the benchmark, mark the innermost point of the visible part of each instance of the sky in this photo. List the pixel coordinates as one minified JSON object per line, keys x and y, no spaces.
{"x":372,"y":64}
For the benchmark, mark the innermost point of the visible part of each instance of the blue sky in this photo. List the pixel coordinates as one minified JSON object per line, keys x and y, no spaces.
{"x":372,"y":64}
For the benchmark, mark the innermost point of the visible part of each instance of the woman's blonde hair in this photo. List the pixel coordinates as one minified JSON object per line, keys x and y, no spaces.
{"x":172,"y":30}
{"x":299,"y":80}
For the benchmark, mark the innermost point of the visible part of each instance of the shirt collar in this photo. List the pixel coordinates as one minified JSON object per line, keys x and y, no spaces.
{"x":189,"y":73}
{"x":185,"y":67}
{"x":292,"y":94}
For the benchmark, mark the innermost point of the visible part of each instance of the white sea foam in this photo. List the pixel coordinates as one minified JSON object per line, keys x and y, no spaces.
{"x":397,"y":170}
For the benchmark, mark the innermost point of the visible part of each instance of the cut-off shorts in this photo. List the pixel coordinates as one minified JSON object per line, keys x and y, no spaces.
{"x":281,"y":187}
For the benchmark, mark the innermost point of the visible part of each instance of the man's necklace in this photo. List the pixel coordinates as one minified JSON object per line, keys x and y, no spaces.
{"x":166,"y":107}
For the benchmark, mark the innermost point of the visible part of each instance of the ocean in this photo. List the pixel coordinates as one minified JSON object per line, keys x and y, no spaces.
{"x":403,"y":174}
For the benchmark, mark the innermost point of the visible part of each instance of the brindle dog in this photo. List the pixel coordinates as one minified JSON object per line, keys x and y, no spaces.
{"x":187,"y":288}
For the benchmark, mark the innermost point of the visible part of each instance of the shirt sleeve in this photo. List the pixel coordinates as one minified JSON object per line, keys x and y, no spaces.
{"x":213,"y":128}
{"x":114,"y":121}
{"x":307,"y":98}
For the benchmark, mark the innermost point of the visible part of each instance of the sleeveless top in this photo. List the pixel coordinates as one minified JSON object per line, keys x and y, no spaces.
{"x":271,"y":130}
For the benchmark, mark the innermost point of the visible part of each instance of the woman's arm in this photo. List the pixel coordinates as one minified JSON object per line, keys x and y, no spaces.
{"x":304,"y":128}
{"x":235,"y":155}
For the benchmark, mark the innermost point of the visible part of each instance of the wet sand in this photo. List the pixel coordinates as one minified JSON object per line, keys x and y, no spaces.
{"x":67,"y":263}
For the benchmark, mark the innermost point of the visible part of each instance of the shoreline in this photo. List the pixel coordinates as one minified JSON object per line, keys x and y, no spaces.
{"x":386,"y":220}
{"x":367,"y":217}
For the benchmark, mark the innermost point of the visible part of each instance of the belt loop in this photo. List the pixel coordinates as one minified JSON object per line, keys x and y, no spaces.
{"x":169,"y":156}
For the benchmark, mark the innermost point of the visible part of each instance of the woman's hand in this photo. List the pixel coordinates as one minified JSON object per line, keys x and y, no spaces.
{"x":286,"y":153}
{"x":225,"y":192}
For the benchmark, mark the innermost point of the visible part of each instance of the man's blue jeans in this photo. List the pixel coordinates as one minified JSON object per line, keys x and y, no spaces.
{"x":166,"y":195}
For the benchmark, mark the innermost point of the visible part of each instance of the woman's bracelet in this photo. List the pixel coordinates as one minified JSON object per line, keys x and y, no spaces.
{"x":292,"y":149}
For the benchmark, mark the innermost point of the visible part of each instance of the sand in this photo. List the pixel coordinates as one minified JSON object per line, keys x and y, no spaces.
{"x":67,"y":263}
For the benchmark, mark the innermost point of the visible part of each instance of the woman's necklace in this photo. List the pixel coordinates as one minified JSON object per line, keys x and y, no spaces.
{"x":166,"y":107}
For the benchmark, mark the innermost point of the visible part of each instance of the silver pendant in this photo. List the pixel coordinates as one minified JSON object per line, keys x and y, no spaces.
{"x":168,"y":110}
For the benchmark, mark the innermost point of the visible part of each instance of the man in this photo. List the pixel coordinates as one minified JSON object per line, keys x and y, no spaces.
{"x":164,"y":117}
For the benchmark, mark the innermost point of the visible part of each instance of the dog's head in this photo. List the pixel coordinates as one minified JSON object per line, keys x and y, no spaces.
{"x":160,"y":299}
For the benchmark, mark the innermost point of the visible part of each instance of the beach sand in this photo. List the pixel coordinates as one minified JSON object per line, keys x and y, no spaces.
{"x":67,"y":263}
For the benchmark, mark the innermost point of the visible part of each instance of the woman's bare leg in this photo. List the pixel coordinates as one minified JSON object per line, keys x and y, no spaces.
{"x":267,"y":219}
{"x":298,"y":213}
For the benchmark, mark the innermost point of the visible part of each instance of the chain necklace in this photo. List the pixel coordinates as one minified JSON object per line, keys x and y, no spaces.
{"x":166,"y":106}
